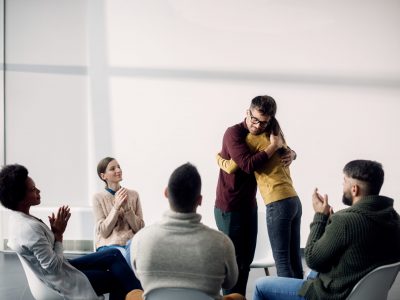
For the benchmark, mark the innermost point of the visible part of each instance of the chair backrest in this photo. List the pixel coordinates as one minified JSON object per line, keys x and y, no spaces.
{"x":376,"y":284}
{"x":177,"y":294}
{"x":39,"y":290}
{"x":263,"y":256}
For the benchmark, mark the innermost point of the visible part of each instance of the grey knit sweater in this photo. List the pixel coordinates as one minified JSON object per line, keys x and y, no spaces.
{"x":182,"y":252}
{"x":353,"y":242}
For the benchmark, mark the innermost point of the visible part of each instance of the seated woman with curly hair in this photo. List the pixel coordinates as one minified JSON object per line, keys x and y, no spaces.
{"x":85,"y":277}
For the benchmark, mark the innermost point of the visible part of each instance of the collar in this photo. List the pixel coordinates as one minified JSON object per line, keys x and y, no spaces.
{"x":112,"y":192}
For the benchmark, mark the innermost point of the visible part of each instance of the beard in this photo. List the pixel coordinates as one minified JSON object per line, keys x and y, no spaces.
{"x":347,"y":200}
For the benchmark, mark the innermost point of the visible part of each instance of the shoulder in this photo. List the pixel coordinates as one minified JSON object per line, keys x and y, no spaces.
{"x":236,"y":133}
{"x":344,"y":217}
{"x":133,"y":194}
{"x":147,"y":233}
{"x":101,"y":197}
{"x":238,"y":129}
{"x":254,"y":139}
{"x":100,"y":194}
{"x":25,"y":226}
{"x":217,"y":236}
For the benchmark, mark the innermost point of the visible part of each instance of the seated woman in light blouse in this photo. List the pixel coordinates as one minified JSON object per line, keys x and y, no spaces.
{"x":117,"y":210}
{"x":85,"y":277}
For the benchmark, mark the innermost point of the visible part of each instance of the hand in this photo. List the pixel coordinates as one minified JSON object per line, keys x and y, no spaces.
{"x":59,"y":223}
{"x":288,"y":157}
{"x":320,"y":203}
{"x":120,"y":198}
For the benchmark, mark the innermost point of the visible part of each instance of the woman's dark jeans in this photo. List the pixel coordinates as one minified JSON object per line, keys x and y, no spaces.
{"x":283,"y":222}
{"x":107,"y":272}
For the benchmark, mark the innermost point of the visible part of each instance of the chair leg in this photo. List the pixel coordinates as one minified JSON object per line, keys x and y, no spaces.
{"x":266,"y":271}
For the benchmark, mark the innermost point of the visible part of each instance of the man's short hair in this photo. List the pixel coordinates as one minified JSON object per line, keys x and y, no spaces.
{"x":12,"y":185}
{"x":368,"y":171}
{"x":266,"y":105}
{"x":184,"y":188}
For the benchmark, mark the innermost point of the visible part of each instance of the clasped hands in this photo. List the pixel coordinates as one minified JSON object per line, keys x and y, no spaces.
{"x":59,"y":222}
{"x":120,"y":198}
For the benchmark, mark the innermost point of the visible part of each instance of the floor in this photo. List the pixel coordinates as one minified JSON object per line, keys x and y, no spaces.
{"x":13,"y":284}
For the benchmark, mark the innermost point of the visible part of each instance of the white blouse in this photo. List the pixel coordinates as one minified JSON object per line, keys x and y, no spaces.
{"x":35,"y":241}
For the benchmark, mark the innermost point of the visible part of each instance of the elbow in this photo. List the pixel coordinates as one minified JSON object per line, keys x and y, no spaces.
{"x":53,"y":266}
{"x":103,"y":232}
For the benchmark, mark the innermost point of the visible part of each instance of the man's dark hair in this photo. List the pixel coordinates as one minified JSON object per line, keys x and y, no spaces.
{"x":368,"y":171}
{"x":266,"y":106}
{"x":12,"y":185}
{"x":184,"y":187}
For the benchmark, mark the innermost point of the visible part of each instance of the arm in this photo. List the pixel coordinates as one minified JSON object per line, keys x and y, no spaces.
{"x":49,"y":255}
{"x":327,"y":240}
{"x":325,"y":243}
{"x":104,"y":221}
{"x":235,"y":147}
{"x":134,"y":215}
{"x":229,"y":166}
{"x":59,"y":222}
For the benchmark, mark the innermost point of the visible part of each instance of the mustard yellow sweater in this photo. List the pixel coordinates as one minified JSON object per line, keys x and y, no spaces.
{"x":273,"y":179}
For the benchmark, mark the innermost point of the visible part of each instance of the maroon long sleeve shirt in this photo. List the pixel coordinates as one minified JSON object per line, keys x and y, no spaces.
{"x":237,"y":191}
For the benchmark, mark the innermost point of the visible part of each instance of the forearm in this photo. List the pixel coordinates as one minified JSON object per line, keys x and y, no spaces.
{"x":106,"y":224}
{"x":50,"y":257}
{"x":134,"y":220}
{"x":271,"y":149}
{"x":227,"y":165}
{"x":235,"y":147}
{"x":323,"y":243}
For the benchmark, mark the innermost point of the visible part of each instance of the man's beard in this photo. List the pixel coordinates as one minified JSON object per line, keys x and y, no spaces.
{"x":346,"y":200}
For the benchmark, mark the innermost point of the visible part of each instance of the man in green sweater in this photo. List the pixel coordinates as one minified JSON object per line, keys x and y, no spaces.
{"x":344,"y":246}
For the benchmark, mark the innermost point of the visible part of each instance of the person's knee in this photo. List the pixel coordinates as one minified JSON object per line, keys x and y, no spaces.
{"x":260,"y":285}
{"x":113,"y":252}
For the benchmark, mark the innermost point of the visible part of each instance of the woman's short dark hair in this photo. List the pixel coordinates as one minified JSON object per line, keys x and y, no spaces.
{"x":12,"y":185}
{"x":102,"y":166}
{"x":368,"y":171}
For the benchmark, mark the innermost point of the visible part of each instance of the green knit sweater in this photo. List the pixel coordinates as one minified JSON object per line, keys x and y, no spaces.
{"x":353,"y":242}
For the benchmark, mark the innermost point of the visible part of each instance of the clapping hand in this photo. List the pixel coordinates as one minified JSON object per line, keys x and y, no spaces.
{"x":120,"y":198}
{"x":59,"y":223}
{"x":320,"y":203}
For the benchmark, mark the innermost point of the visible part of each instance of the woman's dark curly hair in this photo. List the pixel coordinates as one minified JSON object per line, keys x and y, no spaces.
{"x":12,"y":185}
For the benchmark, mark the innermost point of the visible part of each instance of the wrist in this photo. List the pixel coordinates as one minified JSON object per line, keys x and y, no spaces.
{"x":58,"y":237}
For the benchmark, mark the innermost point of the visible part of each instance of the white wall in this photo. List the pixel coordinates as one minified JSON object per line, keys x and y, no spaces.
{"x":155,"y":83}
